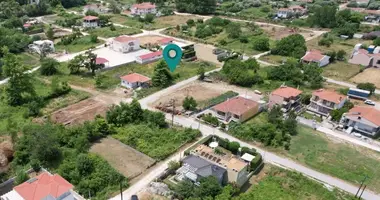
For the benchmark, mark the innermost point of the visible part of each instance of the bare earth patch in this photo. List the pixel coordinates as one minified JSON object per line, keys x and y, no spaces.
{"x":125,"y":159}
{"x":149,"y":39}
{"x":371,"y":75}
{"x":278,"y":33}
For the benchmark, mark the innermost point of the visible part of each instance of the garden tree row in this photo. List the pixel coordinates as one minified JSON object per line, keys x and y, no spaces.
{"x":336,"y":114}
{"x":88,"y":61}
{"x":196,"y":6}
{"x":243,"y":73}
{"x":293,"y":45}
{"x":276,"y":132}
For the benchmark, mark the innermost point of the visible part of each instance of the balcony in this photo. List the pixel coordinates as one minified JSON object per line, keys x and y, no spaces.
{"x":323,"y":103}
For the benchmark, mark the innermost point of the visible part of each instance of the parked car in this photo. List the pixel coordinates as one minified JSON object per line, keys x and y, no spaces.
{"x":217,"y":51}
{"x":134,"y":197}
{"x":369,"y":102}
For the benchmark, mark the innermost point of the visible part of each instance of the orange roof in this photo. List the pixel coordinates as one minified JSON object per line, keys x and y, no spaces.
{"x":329,"y":95}
{"x":42,"y":186}
{"x":287,"y":92}
{"x":313,"y":55}
{"x":124,"y":38}
{"x":150,"y":55}
{"x":135,"y":77}
{"x":145,"y":5}
{"x":100,"y":60}
{"x":237,"y":105}
{"x":369,"y":113}
{"x":90,"y":18}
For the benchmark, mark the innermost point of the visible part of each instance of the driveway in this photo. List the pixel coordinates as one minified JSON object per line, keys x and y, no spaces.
{"x":117,"y":58}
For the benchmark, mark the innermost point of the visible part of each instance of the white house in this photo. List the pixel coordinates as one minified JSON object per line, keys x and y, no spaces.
{"x":315,"y":56}
{"x":292,"y":11}
{"x":96,"y":8}
{"x":143,"y":9}
{"x":134,"y":81}
{"x":149,"y":57}
{"x":125,"y":44}
{"x":39,"y":45}
{"x":90,"y":22}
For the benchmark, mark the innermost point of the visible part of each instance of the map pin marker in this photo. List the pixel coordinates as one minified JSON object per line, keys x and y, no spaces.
{"x":172,"y":54}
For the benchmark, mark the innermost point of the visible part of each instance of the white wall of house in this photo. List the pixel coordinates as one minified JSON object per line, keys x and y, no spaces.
{"x":126,"y":84}
{"x":283,"y":14}
{"x":125,"y":47}
{"x":148,"y":60}
{"x":90,"y":24}
{"x":325,"y":61}
{"x":137,"y":11}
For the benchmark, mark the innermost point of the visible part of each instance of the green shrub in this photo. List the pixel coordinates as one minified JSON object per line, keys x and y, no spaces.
{"x":210,"y":119}
{"x":256,"y":162}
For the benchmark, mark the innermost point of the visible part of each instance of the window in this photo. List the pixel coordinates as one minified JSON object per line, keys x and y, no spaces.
{"x":378,"y":62}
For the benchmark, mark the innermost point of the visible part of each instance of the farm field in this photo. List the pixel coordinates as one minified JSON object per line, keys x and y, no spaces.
{"x":123,"y":158}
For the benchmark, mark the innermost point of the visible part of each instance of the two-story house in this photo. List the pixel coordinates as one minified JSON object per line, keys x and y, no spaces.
{"x":142,"y":9}
{"x":324,"y":101}
{"x":125,"y":44}
{"x":287,"y":97}
{"x":237,"y":109}
{"x":45,"y":186}
{"x":90,"y":22}
{"x":363,"y":119}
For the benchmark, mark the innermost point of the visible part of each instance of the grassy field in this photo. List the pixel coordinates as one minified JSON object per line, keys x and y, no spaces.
{"x":338,"y":44}
{"x":341,"y":70}
{"x":308,"y":115}
{"x":158,"y":23}
{"x":273,"y":59}
{"x":78,"y":45}
{"x":254,"y":13}
{"x":111,"y":77}
{"x":30,"y":60}
{"x":155,"y":142}
{"x":106,"y":32}
{"x":277,"y":183}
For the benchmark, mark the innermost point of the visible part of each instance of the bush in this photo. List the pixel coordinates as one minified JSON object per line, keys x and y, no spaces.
{"x":325,"y":41}
{"x":59,"y":88}
{"x":189,"y":103}
{"x":49,"y":66}
{"x":21,"y":177}
{"x":249,"y":151}
{"x":233,"y":147}
{"x":367,"y":86}
{"x":222,"y":42}
{"x":261,"y":44}
{"x":35,"y":165}
{"x":190,"y":22}
{"x":340,"y":55}
{"x":210,"y":119}
{"x":265,"y":9}
{"x":256,"y":162}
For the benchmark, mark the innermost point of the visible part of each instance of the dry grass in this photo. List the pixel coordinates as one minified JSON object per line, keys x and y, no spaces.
{"x":341,"y":70}
{"x":338,"y":44}
{"x":277,"y":33}
{"x":371,"y":75}
{"x":125,"y":159}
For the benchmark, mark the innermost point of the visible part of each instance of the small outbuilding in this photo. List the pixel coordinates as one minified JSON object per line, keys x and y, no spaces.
{"x":135,"y":80}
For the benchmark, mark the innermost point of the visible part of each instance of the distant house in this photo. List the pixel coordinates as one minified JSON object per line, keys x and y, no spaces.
{"x":292,"y":11}
{"x":371,"y":35}
{"x":366,"y":58}
{"x":324,"y":101}
{"x":125,"y":44}
{"x":98,"y":8}
{"x":363,"y":119}
{"x":90,"y":22}
{"x":287,"y":97}
{"x":43,"y":187}
{"x":149,"y":57}
{"x":194,"y":168}
{"x":39,"y":45}
{"x":237,"y":109}
{"x":315,"y":56}
{"x":101,"y":61}
{"x":372,"y":16}
{"x":134,"y":81}
{"x":143,"y":9}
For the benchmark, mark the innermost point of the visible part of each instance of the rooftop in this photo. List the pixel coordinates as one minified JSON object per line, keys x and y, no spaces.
{"x":369,"y":113}
{"x":90,"y":18}
{"x":100,"y":60}
{"x":329,"y":95}
{"x":151,"y":55}
{"x":165,"y":40}
{"x":145,"y":5}
{"x":313,"y":55}
{"x":287,"y":92}
{"x":124,"y":38}
{"x":43,"y":186}
{"x":237,"y":105}
{"x":135,"y":77}
{"x":203,"y":167}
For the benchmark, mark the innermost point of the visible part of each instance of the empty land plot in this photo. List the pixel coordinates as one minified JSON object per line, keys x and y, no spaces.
{"x":371,"y":75}
{"x":338,"y":44}
{"x":149,"y":39}
{"x":122,"y":157}
{"x":341,"y":70}
{"x":277,"y":33}
{"x":80,"y":112}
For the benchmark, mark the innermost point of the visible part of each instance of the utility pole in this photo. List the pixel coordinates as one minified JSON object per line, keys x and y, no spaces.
{"x":121,"y":190}
{"x":361,"y":185}
{"x":362,"y":192}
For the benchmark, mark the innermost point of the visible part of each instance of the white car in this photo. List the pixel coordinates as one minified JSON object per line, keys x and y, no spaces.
{"x":369,"y":102}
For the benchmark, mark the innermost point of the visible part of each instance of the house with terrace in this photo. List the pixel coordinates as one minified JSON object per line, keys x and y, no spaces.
{"x":362,"y":119}
{"x":315,"y":56}
{"x":287,"y":97}
{"x":238,"y":109}
{"x":142,"y":9}
{"x":324,"y":101}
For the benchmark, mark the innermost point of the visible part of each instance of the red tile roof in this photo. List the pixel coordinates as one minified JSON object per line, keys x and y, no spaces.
{"x":151,"y":55}
{"x":124,"y":38}
{"x":135,"y":77}
{"x":100,"y":60}
{"x":165,"y":40}
{"x":90,"y":18}
{"x":237,"y":105}
{"x":287,"y":92}
{"x":329,"y":95}
{"x":369,"y":113}
{"x":44,"y":185}
{"x":27,"y":25}
{"x":313,"y":55}
{"x":145,"y":5}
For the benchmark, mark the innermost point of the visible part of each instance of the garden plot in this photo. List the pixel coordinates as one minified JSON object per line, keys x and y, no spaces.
{"x":370,"y":75}
{"x":122,"y":157}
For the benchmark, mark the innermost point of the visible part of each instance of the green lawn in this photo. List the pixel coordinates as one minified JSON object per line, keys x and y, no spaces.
{"x":78,"y":45}
{"x":155,"y":142}
{"x":106,"y":32}
{"x":338,"y":44}
{"x":308,"y":115}
{"x":279,"y":183}
{"x":254,"y":13}
{"x":341,"y":70}
{"x":274,"y":59}
{"x":30,"y":60}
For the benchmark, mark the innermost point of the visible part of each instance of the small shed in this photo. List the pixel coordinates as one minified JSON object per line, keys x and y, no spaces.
{"x":247,"y":157}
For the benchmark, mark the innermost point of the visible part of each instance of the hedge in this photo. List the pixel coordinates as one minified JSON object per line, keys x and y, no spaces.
{"x":256,"y":162}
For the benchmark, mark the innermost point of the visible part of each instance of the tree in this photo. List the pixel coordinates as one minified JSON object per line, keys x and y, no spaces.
{"x":59,"y":88}
{"x":313,"y":76}
{"x":233,"y":30}
{"x":185,"y":189}
{"x":190,"y":22}
{"x":173,"y":165}
{"x":252,"y":63}
{"x":201,"y":73}
{"x":261,"y":44}
{"x":209,"y":186}
{"x":76,"y":63}
{"x":149,"y":18}
{"x":336,"y":114}
{"x":20,"y":87}
{"x":35,"y":165}
{"x":292,"y":45}
{"x":340,"y":55}
{"x":21,"y":177}
{"x":323,"y":16}
{"x":84,"y":164}
{"x":367,"y":86}
{"x":234,"y":147}
{"x":115,"y":8}
{"x":196,"y":6}
{"x":226,"y":193}
{"x":50,"y":33}
{"x":275,"y":115}
{"x":49,"y":66}
{"x":90,"y":63}
{"x":189,"y":103}
{"x":161,"y":75}
{"x":290,"y":123}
